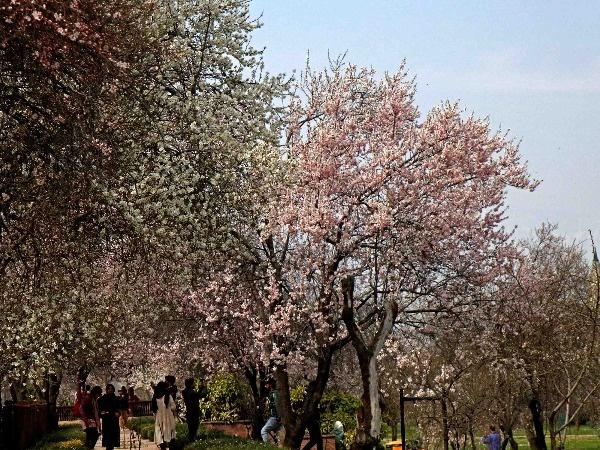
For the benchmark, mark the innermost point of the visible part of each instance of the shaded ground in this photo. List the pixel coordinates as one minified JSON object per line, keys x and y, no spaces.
{"x":71,"y":437}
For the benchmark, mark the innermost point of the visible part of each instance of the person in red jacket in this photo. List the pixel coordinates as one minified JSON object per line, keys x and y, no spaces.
{"x":90,"y":416}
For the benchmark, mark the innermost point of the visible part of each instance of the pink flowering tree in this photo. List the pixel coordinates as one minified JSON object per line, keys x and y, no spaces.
{"x":399,"y":216}
{"x":375,"y":219}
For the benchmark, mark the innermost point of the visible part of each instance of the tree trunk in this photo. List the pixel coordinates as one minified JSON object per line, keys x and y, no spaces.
{"x":369,"y":417}
{"x":256,"y":380}
{"x":552,"y":430}
{"x":472,"y":436}
{"x":295,"y":423}
{"x":445,"y":428}
{"x":53,"y":389}
{"x":509,"y":439}
{"x":369,"y":425}
{"x":394,"y":427}
{"x":536,"y":437}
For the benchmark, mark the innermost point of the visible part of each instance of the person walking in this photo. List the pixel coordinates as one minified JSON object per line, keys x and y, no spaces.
{"x":123,"y":407}
{"x":191,"y":399}
{"x":90,"y":416}
{"x":133,"y":401}
{"x":492,"y":439}
{"x":132,"y":395}
{"x":109,"y":408}
{"x":163,"y":407}
{"x":274,"y":420}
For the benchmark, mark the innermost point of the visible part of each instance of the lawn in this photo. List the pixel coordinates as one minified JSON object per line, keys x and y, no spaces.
{"x":584,"y":438}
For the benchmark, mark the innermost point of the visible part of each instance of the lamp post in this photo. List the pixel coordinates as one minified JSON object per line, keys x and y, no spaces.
{"x":404,"y":398}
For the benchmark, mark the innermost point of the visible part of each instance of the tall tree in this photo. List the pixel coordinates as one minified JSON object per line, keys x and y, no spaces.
{"x":410,"y":211}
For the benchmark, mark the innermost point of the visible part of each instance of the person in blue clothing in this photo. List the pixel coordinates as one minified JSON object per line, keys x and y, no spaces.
{"x":492,"y":439}
{"x":274,"y":421}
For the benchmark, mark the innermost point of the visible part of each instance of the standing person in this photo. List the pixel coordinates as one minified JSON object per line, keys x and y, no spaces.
{"x":338,"y":433}
{"x":123,"y":406}
{"x":109,"y":412}
{"x":163,"y":407}
{"x":90,"y":416}
{"x":132,"y":395}
{"x":172,"y":387}
{"x":274,"y":420}
{"x":133,"y":401}
{"x":492,"y":439}
{"x":191,"y":398}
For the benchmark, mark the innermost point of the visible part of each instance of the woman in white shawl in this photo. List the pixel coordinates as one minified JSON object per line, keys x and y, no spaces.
{"x":163,"y":406}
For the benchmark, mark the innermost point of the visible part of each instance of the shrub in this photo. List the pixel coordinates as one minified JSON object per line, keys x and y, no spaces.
{"x":144,"y":426}
{"x":227,"y":399}
{"x":335,"y":405}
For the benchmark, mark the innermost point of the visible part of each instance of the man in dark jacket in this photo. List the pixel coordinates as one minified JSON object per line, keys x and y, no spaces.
{"x":109,"y":408}
{"x":191,"y":398}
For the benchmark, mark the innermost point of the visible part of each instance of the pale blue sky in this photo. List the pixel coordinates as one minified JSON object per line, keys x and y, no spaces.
{"x":532,"y":66}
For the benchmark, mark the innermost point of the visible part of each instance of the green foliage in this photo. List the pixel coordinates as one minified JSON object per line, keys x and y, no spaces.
{"x":67,"y":437}
{"x":337,"y":405}
{"x":227,"y":397}
{"x":297,"y":395}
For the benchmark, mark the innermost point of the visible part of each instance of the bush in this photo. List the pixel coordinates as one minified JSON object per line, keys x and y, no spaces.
{"x":67,"y":437}
{"x":227,"y":399}
{"x":144,"y":426}
{"x":337,"y":405}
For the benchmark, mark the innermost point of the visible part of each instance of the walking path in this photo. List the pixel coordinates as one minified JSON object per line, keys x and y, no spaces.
{"x":130,"y":441}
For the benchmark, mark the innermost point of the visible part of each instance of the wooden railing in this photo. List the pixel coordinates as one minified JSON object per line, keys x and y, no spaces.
{"x":23,"y":423}
{"x":137,"y":409}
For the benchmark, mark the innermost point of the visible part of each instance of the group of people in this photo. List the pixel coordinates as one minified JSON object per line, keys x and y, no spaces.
{"x":104,"y":414}
{"x":164,"y":407}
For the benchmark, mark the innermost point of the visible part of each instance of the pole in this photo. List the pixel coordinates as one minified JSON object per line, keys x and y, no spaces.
{"x":402,"y":426}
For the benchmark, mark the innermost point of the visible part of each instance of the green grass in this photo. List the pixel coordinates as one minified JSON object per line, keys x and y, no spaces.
{"x":68,"y":437}
{"x":586,"y":438}
{"x":206,"y":440}
{"x":218,"y":441}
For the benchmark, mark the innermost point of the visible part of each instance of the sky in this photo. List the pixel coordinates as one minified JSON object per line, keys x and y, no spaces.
{"x":532,"y":67}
